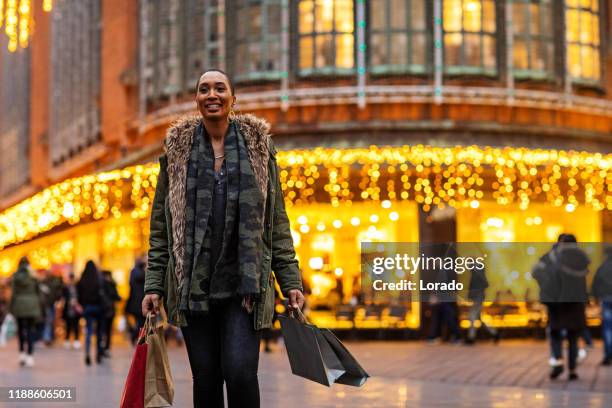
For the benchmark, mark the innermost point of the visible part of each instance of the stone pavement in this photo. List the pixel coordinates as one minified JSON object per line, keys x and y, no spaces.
{"x":404,"y":374}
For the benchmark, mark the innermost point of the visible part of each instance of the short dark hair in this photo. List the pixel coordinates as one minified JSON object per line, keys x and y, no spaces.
{"x":229,"y":81}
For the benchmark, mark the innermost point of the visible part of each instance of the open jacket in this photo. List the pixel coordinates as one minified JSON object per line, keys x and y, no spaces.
{"x":168,"y":253}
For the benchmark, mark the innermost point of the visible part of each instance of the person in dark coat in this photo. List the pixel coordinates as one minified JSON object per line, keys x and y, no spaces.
{"x":26,"y":307}
{"x":133,"y":305}
{"x":72,"y":312}
{"x":112,"y":296}
{"x":90,"y":294}
{"x":602,"y":290}
{"x":567,"y":293}
{"x":476,"y":293}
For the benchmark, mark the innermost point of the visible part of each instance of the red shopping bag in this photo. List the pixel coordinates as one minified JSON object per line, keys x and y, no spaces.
{"x":134,"y":390}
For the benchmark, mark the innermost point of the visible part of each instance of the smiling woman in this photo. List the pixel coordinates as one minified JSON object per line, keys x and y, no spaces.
{"x":211,"y":253}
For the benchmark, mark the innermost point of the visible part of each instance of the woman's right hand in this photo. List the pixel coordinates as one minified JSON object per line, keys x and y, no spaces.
{"x":150,"y":304}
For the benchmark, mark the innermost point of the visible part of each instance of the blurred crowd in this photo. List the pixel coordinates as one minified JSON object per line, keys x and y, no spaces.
{"x":50,"y":306}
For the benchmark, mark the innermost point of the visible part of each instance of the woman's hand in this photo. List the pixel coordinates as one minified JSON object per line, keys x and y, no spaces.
{"x":296,"y":300}
{"x":150,"y":304}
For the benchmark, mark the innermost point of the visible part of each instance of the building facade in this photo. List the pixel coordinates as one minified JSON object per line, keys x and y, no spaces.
{"x":395,"y":120}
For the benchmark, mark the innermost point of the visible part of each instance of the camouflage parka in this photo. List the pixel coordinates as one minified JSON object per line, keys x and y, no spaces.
{"x":168,"y":252}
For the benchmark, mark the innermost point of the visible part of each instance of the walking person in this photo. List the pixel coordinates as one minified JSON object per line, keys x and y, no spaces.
{"x":51,"y":289}
{"x":111,"y":297}
{"x":602,"y":290}
{"x":90,"y":296}
{"x":218,"y":229}
{"x":25,"y":306}
{"x":566,"y":295}
{"x":72,"y":313}
{"x":133,"y":306}
{"x":476,"y":293}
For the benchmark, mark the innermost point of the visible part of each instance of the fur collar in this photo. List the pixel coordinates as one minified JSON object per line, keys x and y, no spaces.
{"x":177,"y":146}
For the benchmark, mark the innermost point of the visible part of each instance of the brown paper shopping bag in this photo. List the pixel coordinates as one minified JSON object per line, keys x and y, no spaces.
{"x":159,"y":386}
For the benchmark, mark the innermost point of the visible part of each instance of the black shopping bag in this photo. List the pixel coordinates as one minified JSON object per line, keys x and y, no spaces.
{"x":310,"y":355}
{"x":355,"y":375}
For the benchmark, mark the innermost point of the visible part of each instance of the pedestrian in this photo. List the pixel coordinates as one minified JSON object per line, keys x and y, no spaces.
{"x":227,"y":228}
{"x":90,"y":295}
{"x":111,"y":297}
{"x":564,"y":281}
{"x":72,"y":313}
{"x":133,"y":306}
{"x":476,"y":293}
{"x":25,"y":306}
{"x":602,"y":290}
{"x":51,"y":288}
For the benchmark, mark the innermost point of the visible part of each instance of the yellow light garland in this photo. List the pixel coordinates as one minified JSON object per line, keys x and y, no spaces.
{"x":432,"y":176}
{"x":24,"y":22}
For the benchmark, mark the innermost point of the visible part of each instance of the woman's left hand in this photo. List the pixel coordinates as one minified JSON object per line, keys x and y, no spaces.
{"x":296,"y":299}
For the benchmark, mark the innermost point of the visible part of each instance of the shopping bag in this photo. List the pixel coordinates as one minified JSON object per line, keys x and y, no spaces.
{"x":355,"y":375}
{"x":310,"y":355}
{"x":134,"y":389}
{"x":159,"y":386}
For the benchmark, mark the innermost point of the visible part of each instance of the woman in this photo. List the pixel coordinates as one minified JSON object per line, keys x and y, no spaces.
{"x":72,"y":312}
{"x":90,"y":297}
{"x":218,"y":228}
{"x":26,"y":308}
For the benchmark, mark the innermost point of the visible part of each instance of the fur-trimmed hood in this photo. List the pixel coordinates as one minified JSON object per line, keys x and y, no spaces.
{"x":177,"y":146}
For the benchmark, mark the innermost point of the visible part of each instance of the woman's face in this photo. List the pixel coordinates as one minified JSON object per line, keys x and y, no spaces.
{"x":214,"y":97}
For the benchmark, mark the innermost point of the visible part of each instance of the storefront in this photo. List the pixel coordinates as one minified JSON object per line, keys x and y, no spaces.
{"x":336,"y":199}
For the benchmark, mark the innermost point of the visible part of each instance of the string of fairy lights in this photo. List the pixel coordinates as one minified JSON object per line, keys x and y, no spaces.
{"x":16,"y":16}
{"x":461,"y":176}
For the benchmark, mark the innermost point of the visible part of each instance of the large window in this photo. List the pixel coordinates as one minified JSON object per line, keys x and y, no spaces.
{"x":75,"y":85}
{"x":14,"y":126}
{"x":258,"y":39}
{"x":182,"y":41}
{"x":582,"y":34}
{"x":533,"y":44}
{"x":398,"y":37}
{"x":163,"y":63}
{"x":326,"y":36}
{"x":469,"y":36}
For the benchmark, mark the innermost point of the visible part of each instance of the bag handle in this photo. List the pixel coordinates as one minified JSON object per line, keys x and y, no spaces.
{"x":301,"y":317}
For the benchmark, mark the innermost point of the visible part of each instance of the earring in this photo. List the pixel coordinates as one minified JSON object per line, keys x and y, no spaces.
{"x":231,"y":115}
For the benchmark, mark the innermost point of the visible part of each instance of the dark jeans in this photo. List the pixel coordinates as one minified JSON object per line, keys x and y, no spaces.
{"x":93,"y":315}
{"x":556,"y":343}
{"x":606,"y":327}
{"x":72,"y":326}
{"x":108,"y":331}
{"x":25,"y":331}
{"x":444,"y":313}
{"x":223,"y":346}
{"x":140,"y":319}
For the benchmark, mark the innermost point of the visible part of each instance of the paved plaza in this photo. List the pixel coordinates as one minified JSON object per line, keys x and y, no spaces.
{"x":404,"y":374}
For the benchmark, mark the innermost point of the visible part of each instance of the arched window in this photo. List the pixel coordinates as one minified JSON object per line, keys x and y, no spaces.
{"x":75,"y":78}
{"x":258,"y":39}
{"x":533,"y":38}
{"x":398,"y":36}
{"x":469,"y":36}
{"x":14,"y":126}
{"x":582,"y":35}
{"x":326,"y":36}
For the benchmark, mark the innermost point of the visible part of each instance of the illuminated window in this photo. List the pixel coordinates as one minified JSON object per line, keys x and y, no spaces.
{"x":326,"y":29}
{"x":469,"y":36}
{"x":14,"y":129}
{"x":258,"y":42}
{"x":397,"y":35}
{"x":533,"y":38}
{"x":582,"y":34}
{"x":75,"y":78}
